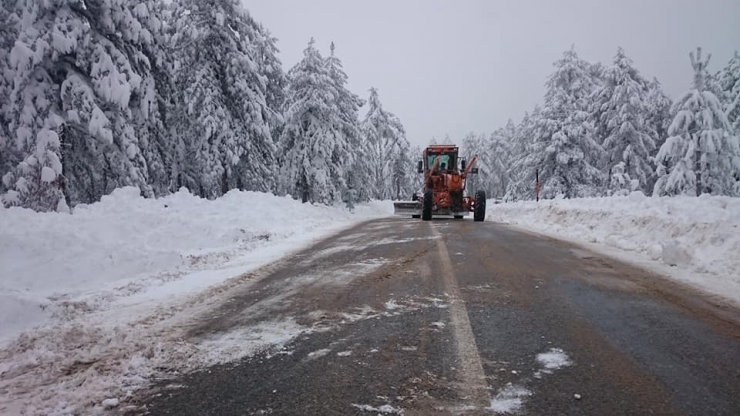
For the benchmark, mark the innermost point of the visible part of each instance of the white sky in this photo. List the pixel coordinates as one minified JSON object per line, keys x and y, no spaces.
{"x":455,"y":66}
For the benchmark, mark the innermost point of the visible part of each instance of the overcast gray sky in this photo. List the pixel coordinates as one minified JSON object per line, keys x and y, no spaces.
{"x":450,"y":67}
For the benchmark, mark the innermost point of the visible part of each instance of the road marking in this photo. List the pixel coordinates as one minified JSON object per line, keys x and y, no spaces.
{"x":470,"y":369}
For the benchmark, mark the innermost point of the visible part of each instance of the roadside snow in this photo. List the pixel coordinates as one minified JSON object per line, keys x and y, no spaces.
{"x":95,"y":304}
{"x":693,"y":240}
{"x":66,"y":369}
{"x":127,"y":250}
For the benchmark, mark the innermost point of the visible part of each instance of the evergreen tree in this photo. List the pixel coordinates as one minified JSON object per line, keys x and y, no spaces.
{"x":78,"y":73}
{"x":271,"y":69}
{"x":494,"y":156}
{"x":729,"y":86}
{"x":311,"y":138}
{"x":501,"y":154}
{"x":522,"y":177}
{"x":477,"y":144}
{"x":565,"y":150}
{"x":223,"y":124}
{"x":350,"y":151}
{"x":386,"y":138}
{"x":9,"y":157}
{"x":622,"y":115}
{"x":402,"y":171}
{"x":494,"y":160}
{"x":659,"y":111}
{"x":34,"y":183}
{"x":416,"y":180}
{"x":157,"y":102}
{"x":701,"y":155}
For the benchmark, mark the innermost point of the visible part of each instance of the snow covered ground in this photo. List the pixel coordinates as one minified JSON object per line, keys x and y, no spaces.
{"x":693,"y":240}
{"x":90,"y":302}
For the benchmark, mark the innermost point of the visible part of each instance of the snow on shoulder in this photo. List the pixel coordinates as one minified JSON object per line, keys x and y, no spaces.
{"x":690,"y":239}
{"x":128,"y":249}
{"x":109,"y":285}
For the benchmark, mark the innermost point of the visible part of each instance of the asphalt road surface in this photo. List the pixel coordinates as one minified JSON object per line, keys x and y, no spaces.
{"x":456,"y":317}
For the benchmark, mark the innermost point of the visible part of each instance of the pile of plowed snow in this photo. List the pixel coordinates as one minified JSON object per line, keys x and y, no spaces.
{"x":128,"y":250}
{"x":694,"y":240}
{"x":97,"y":304}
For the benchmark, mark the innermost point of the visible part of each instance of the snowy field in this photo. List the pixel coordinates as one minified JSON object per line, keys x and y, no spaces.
{"x":692,"y":240}
{"x":90,"y":302}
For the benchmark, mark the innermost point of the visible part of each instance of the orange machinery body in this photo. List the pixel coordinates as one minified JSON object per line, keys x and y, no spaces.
{"x":446,"y":181}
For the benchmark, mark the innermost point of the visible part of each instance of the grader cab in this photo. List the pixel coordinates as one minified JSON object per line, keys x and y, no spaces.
{"x":444,"y":187}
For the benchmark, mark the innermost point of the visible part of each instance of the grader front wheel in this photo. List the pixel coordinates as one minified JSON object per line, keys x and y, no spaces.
{"x":426,"y":207}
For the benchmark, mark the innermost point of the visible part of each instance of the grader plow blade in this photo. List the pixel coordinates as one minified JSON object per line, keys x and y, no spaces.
{"x":407,"y":208}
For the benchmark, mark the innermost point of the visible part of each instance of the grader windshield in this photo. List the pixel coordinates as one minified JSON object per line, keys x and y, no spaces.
{"x":447,"y":160}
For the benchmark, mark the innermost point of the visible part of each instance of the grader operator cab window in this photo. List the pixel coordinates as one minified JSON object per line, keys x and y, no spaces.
{"x":446,"y":161}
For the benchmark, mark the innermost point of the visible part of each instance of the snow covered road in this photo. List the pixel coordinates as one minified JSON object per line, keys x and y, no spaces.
{"x":453,"y":317}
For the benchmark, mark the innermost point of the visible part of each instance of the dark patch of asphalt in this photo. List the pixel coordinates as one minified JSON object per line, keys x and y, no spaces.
{"x":388,"y":335}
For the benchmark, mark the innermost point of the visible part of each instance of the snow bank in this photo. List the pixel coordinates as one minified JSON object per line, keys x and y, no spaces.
{"x":95,"y":305}
{"x":695,"y":240}
{"x":128,"y":250}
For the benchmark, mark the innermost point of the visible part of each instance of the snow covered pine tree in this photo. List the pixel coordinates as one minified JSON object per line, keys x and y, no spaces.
{"x":350,"y":149}
{"x":223,"y":63}
{"x":565,"y":150}
{"x":312,"y":136}
{"x":701,"y":154}
{"x":79,"y":76}
{"x":627,"y":136}
{"x":521,"y":176}
{"x":9,"y":156}
{"x":388,"y":145}
{"x":728,"y":83}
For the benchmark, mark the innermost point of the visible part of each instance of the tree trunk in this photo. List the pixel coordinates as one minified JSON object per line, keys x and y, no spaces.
{"x":697,"y":168}
{"x":304,"y":189}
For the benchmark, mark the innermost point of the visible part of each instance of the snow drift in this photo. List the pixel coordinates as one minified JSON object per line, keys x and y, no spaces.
{"x":128,"y":249}
{"x":696,"y":239}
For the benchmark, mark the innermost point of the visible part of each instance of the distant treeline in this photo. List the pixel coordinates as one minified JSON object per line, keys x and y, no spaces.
{"x":605,"y":130}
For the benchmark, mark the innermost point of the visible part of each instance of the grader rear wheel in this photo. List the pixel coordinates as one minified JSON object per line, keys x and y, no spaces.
{"x":479,"y":213}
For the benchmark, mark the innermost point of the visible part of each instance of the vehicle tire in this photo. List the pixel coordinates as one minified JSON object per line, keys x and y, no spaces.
{"x":416,"y":216}
{"x":458,"y":217}
{"x":426,"y":208}
{"x":479,"y":213}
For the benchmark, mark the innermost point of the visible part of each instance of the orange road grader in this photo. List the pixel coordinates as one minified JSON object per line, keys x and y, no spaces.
{"x":444,"y":187}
